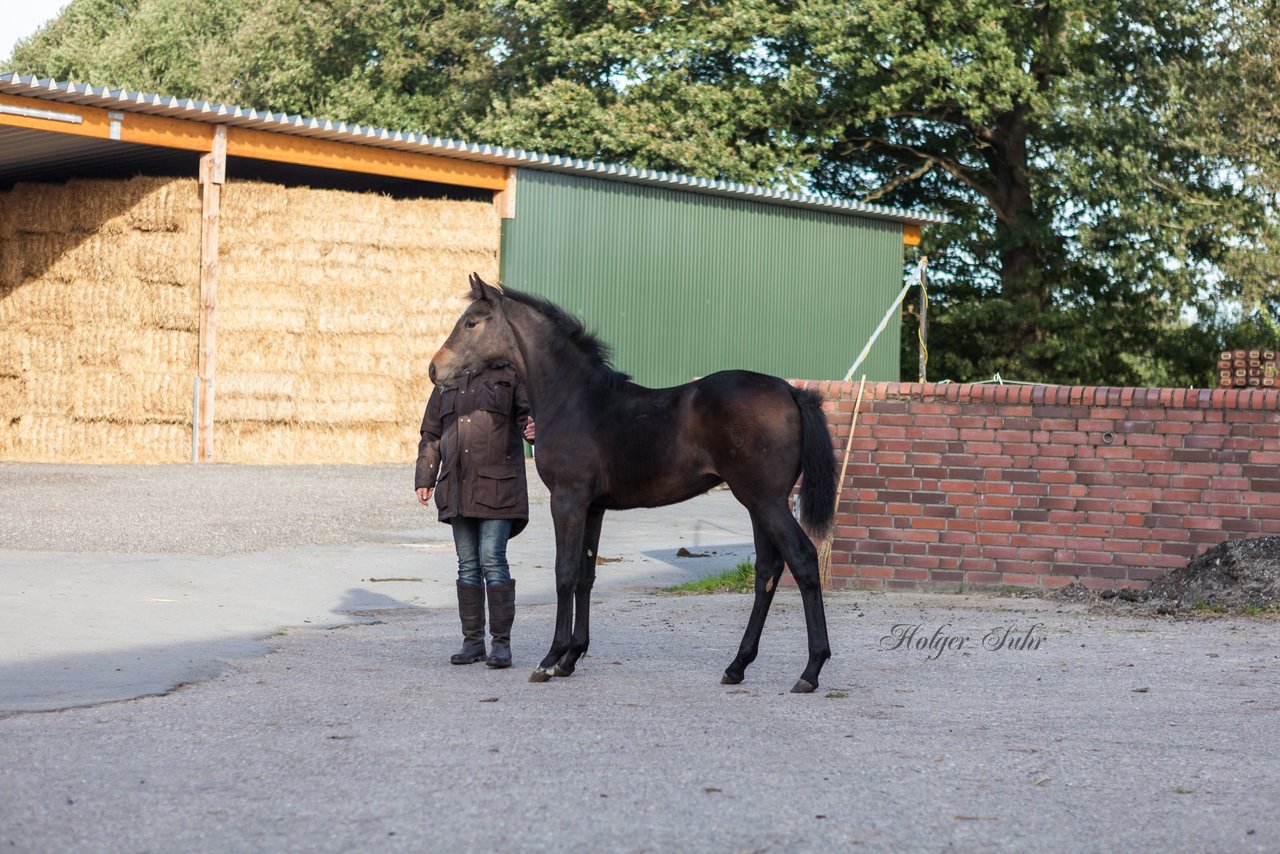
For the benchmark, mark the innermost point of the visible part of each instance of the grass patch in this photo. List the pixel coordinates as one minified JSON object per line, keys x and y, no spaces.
{"x":740,"y":579}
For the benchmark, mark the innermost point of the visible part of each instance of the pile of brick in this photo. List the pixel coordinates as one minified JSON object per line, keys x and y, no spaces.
{"x":1248,"y":369}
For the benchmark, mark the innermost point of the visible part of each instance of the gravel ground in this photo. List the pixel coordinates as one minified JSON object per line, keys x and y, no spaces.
{"x":208,"y":510}
{"x":1113,"y":734}
{"x":1103,"y":732}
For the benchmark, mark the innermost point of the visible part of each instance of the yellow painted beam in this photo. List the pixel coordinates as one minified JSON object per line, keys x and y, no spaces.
{"x":77,"y":120}
{"x":911,"y":234}
{"x":166,"y":133}
{"x":56,"y":118}
{"x":326,"y":154}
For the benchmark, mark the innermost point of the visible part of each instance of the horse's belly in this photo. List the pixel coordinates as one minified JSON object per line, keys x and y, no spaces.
{"x":625,"y":496}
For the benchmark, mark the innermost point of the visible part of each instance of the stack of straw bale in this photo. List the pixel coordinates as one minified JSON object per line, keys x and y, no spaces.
{"x":330,"y":306}
{"x":98,"y":320}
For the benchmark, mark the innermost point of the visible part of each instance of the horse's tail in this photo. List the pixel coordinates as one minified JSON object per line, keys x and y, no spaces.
{"x":817,"y":464}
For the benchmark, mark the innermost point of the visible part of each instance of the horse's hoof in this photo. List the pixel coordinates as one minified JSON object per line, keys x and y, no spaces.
{"x":729,"y":679}
{"x":560,"y":671}
{"x":540,"y":675}
{"x":803,"y":687}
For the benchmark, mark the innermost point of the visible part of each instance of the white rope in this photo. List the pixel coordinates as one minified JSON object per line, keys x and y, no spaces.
{"x":915,"y":278}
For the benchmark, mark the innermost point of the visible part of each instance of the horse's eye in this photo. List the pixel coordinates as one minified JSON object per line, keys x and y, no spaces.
{"x":471,"y":324}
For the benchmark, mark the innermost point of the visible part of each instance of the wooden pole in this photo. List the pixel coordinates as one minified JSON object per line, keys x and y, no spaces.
{"x":924,"y":328}
{"x":213,"y":174}
{"x":505,"y":199}
{"x":824,"y":550}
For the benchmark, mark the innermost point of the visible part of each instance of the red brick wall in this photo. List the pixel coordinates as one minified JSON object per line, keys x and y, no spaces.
{"x":1040,"y":486}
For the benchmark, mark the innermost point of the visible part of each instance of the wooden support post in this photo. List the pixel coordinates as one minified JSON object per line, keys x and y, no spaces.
{"x":505,"y":199}
{"x":213,"y":174}
{"x":924,"y":329}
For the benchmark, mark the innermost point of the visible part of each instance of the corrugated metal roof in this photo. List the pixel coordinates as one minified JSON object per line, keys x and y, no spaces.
{"x":203,"y":111}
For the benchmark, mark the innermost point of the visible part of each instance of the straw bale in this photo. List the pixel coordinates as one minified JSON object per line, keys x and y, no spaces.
{"x":53,"y":348}
{"x":332,"y":217}
{"x":347,"y":398}
{"x":242,"y":315}
{"x":162,"y":257}
{"x":256,"y":442}
{"x":121,"y":306}
{"x":85,"y":207}
{"x":254,"y":396}
{"x":56,"y":438}
{"x":13,"y":396}
{"x":92,"y":394}
{"x":14,"y":352}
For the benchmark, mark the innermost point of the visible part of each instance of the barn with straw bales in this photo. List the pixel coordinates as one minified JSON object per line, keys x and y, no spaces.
{"x":188,"y":281}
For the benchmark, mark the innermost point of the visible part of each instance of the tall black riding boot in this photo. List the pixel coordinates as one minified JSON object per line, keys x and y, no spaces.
{"x":471,"y":610}
{"x":502,"y":612}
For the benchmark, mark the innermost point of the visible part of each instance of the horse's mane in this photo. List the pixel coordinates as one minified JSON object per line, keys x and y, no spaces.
{"x":573,"y":331}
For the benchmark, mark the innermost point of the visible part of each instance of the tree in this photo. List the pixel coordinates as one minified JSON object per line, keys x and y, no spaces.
{"x":1088,"y":213}
{"x":1109,"y":194}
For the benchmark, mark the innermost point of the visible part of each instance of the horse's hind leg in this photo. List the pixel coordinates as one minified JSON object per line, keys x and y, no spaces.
{"x":799,"y":553}
{"x":581,"y":637}
{"x":802,"y":557}
{"x":769,"y":567}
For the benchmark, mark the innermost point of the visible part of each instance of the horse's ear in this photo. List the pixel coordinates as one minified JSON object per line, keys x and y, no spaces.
{"x":480,"y":289}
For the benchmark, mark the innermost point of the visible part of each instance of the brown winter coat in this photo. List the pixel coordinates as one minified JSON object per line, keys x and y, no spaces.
{"x":471,"y":450}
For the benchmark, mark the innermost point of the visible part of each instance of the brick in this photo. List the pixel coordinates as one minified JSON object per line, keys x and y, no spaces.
{"x":982,"y":577}
{"x":1019,"y":579}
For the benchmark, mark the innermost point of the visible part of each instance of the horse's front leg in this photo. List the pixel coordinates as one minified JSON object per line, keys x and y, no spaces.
{"x":581,"y":637}
{"x":569,"y":515}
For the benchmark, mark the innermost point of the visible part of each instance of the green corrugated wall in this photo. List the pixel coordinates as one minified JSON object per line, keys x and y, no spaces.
{"x":683,"y":284}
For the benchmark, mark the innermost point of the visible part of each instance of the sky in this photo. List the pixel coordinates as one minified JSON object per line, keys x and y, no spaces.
{"x":21,"y":18}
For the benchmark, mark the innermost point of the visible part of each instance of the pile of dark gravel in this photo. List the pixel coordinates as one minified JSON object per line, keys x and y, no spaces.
{"x":1232,"y":577}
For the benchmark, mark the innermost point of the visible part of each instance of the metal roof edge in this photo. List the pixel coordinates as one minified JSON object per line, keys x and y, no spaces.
{"x":212,"y":113}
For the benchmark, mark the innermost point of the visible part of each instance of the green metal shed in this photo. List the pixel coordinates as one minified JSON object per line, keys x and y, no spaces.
{"x":685,"y":277}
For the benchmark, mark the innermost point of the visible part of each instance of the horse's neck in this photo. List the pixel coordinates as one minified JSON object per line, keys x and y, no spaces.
{"x":554,"y":377}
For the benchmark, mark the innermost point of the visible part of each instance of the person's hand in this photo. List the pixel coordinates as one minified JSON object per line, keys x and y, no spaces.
{"x":424,"y":494}
{"x":528,"y":429}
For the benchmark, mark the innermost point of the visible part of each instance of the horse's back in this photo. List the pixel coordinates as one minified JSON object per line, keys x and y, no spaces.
{"x":745,"y":394}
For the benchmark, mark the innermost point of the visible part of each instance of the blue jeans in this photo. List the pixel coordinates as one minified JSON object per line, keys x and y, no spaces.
{"x":482,"y":550}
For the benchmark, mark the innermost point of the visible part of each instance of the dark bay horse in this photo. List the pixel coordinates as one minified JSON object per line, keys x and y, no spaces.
{"x":605,"y":443}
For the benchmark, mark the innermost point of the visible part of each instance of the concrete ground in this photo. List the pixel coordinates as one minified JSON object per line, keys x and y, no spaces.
{"x":1000,"y":724}
{"x":120,"y":581}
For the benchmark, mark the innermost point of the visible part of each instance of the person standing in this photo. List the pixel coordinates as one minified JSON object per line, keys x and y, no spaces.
{"x":471,"y":458}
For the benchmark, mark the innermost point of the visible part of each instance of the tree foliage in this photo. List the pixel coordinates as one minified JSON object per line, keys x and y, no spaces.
{"x":1110,"y":167}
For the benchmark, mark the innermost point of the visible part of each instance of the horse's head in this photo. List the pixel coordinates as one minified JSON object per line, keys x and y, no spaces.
{"x":481,"y":337}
